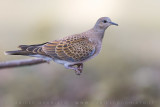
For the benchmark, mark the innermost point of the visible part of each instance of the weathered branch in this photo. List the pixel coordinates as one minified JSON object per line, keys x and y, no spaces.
{"x":18,"y":63}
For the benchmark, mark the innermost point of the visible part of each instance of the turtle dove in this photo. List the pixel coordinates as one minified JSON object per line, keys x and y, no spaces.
{"x":71,"y":51}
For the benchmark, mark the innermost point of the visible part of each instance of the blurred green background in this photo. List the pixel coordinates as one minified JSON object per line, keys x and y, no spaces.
{"x":125,"y":74}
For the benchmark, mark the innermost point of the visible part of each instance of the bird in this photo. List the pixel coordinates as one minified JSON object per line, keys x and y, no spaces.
{"x":71,"y":51}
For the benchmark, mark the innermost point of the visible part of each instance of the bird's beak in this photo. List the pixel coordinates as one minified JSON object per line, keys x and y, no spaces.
{"x":113,"y":23}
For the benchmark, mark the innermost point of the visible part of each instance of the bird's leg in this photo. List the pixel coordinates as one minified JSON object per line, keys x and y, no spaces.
{"x":78,"y":69}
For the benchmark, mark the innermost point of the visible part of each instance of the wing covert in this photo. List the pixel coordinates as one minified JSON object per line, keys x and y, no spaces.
{"x":70,"y":49}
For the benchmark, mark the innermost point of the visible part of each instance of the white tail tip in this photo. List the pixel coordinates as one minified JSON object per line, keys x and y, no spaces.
{"x":5,"y":53}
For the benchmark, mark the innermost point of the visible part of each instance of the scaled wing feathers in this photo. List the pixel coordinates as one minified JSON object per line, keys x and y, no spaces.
{"x":70,"y":49}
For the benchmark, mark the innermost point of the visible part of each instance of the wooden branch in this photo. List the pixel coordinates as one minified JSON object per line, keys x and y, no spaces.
{"x":18,"y":63}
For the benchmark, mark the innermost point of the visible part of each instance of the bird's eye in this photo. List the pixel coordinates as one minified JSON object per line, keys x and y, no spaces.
{"x":104,"y":21}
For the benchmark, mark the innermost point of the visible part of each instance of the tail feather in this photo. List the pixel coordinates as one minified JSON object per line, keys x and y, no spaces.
{"x":23,"y":47}
{"x":17,"y":52}
{"x":28,"y":50}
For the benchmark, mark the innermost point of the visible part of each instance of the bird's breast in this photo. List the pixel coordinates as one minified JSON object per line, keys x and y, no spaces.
{"x":98,"y":48}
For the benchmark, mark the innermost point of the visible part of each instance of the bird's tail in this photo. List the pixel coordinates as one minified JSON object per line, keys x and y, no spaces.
{"x":23,"y":51}
{"x":17,"y":52}
{"x":27,"y":50}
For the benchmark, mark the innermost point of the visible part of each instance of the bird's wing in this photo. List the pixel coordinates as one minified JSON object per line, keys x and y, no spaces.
{"x":70,"y":49}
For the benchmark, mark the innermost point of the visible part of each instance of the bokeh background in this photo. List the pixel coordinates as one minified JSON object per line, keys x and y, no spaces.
{"x":125,"y":74}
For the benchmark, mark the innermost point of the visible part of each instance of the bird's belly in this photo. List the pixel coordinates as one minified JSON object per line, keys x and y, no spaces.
{"x":63,"y":62}
{"x":60,"y":61}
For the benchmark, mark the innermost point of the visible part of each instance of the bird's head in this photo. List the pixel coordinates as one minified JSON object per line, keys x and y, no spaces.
{"x":103,"y":23}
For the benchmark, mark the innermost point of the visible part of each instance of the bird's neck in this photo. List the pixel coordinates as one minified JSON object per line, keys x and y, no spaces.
{"x":99,"y":33}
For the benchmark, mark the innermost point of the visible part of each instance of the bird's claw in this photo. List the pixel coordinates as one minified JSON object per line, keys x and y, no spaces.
{"x":78,"y":71}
